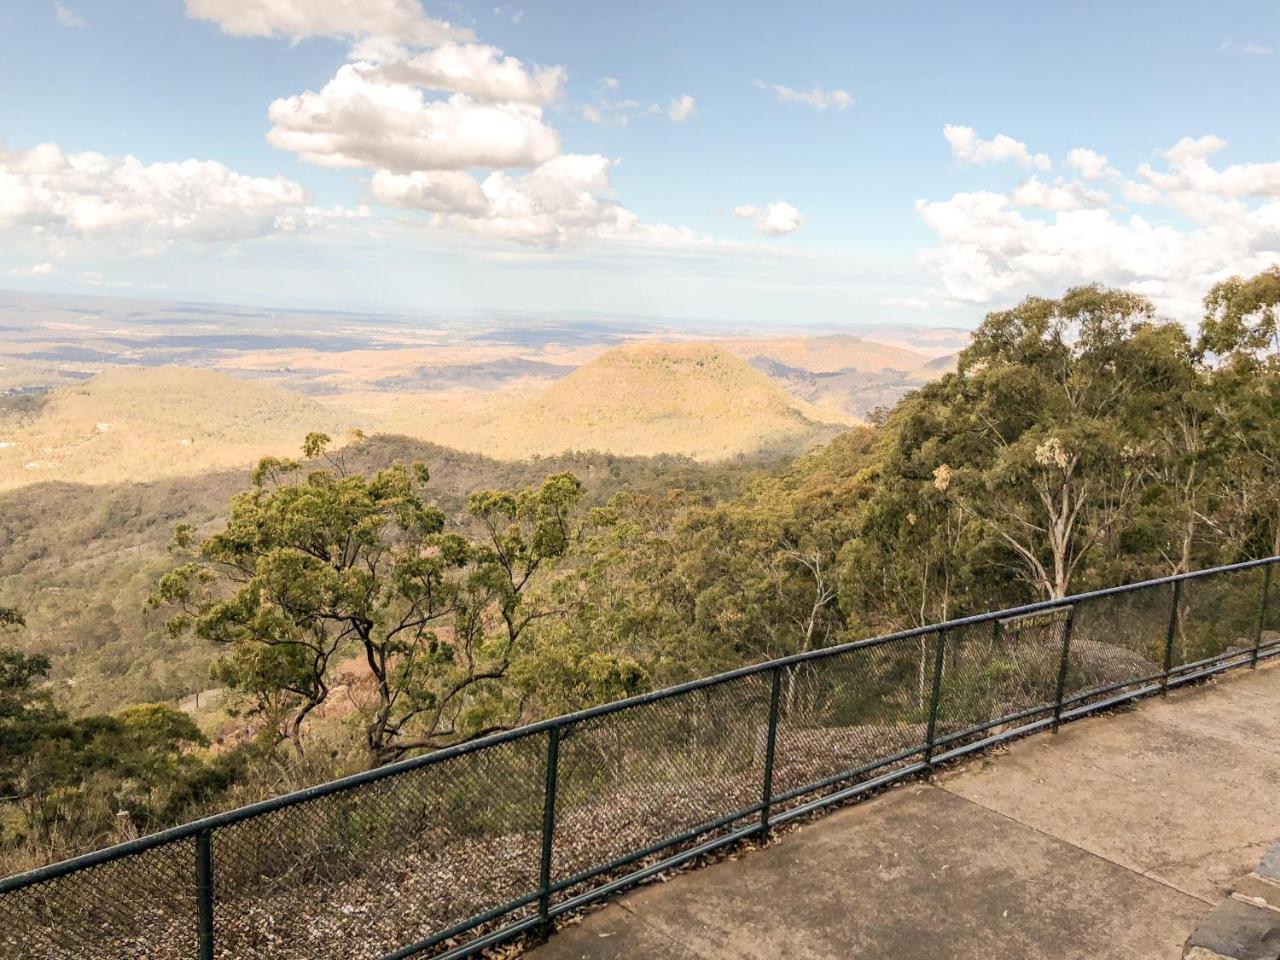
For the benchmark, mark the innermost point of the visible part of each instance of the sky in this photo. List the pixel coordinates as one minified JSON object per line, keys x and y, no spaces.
{"x":809,"y":163}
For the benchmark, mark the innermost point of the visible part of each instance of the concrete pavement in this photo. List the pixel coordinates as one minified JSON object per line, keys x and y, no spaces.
{"x":1112,"y":839}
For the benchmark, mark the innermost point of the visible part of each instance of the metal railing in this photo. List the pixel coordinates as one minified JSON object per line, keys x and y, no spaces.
{"x":447,"y":853}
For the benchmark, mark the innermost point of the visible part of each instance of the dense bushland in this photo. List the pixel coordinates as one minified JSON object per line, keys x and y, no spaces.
{"x":356,"y":609}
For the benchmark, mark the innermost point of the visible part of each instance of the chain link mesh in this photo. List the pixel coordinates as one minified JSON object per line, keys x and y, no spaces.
{"x":1218,"y":617}
{"x":996,"y":670}
{"x":850,"y":710}
{"x":631,"y":779}
{"x":1117,"y":641}
{"x":360,"y":873}
{"x":140,"y":907}
{"x":1271,"y":610}
{"x":368,"y":870}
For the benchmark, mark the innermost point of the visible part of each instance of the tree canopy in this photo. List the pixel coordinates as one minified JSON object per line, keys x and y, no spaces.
{"x":324,"y":578}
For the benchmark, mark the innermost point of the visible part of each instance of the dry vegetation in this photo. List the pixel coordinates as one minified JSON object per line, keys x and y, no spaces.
{"x":694,"y":399}
{"x":644,"y":399}
{"x":829,"y":354}
{"x":103,"y":390}
{"x":143,"y":424}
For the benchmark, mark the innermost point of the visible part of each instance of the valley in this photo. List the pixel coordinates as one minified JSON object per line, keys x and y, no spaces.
{"x":121,"y":418}
{"x":98,"y":389}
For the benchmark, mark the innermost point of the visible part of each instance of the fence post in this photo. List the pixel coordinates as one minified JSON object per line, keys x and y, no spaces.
{"x":204,"y":893}
{"x":1262,"y":613}
{"x":1062,"y":667}
{"x":934,"y":700}
{"x":1168,"y":640}
{"x":548,"y":823}
{"x":770,"y":747}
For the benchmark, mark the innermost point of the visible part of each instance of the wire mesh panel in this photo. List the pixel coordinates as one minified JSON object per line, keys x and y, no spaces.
{"x":638,"y":777}
{"x":997,"y":671}
{"x":1218,"y":616}
{"x":139,"y":907}
{"x":360,"y":873}
{"x":849,"y":711}
{"x":1116,"y":641}
{"x":1271,"y":608}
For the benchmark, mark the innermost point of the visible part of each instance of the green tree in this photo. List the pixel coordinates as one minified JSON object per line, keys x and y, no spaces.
{"x":1181,"y":437}
{"x":26,"y":707}
{"x":71,"y":783}
{"x":684,"y":587}
{"x":1240,"y":337}
{"x":1038,"y":439}
{"x":312,"y":569}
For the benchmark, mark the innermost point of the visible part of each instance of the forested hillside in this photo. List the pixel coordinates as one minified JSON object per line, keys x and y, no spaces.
{"x":141,"y":424}
{"x":371,"y":600}
{"x":80,"y":560}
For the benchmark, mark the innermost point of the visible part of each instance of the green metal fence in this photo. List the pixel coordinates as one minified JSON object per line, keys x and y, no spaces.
{"x":446,"y":853}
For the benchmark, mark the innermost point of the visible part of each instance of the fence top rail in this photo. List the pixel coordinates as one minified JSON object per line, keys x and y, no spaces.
{"x":188,"y":830}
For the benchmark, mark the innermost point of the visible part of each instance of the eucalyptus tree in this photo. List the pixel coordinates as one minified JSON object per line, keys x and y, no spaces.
{"x":1038,"y":441}
{"x":323,"y":578}
{"x":1240,"y":338}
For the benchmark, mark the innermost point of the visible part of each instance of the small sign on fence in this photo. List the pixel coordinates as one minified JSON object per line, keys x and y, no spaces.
{"x":1038,"y":620}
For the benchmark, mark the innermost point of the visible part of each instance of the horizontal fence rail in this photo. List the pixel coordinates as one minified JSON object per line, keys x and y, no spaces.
{"x":459,"y":849}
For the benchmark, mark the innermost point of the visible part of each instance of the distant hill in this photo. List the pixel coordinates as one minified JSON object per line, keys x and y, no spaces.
{"x":148,"y":423}
{"x":695,"y":399}
{"x":935,"y":368}
{"x":849,"y":375}
{"x":848,"y":392}
{"x":828,"y":354}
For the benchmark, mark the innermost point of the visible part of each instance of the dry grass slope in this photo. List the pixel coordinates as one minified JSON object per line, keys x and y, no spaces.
{"x":829,"y":354}
{"x":695,"y":399}
{"x":145,"y":424}
{"x":935,"y":368}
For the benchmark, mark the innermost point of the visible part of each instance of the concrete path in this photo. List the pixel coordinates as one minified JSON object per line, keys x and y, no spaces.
{"x":1109,"y":841}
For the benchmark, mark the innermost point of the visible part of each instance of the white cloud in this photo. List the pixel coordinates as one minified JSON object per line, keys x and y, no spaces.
{"x":681,"y":108}
{"x":1189,"y":159}
{"x":54,"y":195}
{"x":567,"y":199}
{"x":1060,"y":195}
{"x":968,"y":147}
{"x":1092,"y":165}
{"x":383,"y":111}
{"x":35,"y":270}
{"x":403,"y":20}
{"x":68,"y":17}
{"x":619,"y":113}
{"x":95,"y":279}
{"x":778,"y":219}
{"x":479,"y":71}
{"x":992,"y":247}
{"x":616,"y":113}
{"x":774,"y":219}
{"x":907,"y":303}
{"x":817,"y":98}
{"x":511,"y":13}
{"x":439,"y":191}
{"x":358,"y":119}
{"x":1250,"y":48}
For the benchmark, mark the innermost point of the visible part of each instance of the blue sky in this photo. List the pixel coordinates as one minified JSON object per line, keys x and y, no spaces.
{"x":860,"y":211}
